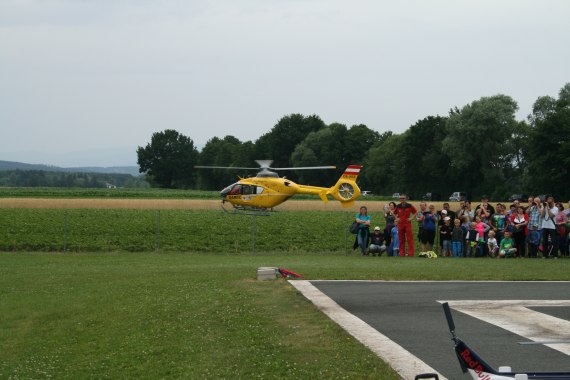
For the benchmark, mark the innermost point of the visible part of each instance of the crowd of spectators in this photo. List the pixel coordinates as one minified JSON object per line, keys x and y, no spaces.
{"x":532,"y":229}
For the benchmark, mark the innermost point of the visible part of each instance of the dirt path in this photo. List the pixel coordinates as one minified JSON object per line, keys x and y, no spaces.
{"x":175,"y":204}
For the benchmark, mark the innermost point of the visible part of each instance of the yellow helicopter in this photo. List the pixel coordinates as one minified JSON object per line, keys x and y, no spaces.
{"x":260,"y":194}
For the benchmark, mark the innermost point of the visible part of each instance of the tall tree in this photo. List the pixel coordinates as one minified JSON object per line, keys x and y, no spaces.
{"x":384,"y":164}
{"x":168,"y":160}
{"x":228,"y":151}
{"x":517,"y":159}
{"x":548,"y":149}
{"x":324,"y":147}
{"x":425,"y":164}
{"x":281,"y":141}
{"x":359,"y":139}
{"x":478,"y":144}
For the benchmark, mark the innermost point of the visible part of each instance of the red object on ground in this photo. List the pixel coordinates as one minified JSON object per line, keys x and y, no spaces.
{"x":287,"y":273}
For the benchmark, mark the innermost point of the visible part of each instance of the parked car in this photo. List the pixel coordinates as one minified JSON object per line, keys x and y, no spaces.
{"x":366,"y":193}
{"x":458,"y":196}
{"x":518,"y":197}
{"x":431,"y":197}
{"x":396,"y":196}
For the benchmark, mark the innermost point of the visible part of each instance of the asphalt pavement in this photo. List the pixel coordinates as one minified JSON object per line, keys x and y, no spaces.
{"x":491,"y":317}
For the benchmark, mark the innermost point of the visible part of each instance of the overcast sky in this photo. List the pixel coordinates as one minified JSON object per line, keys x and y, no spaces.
{"x":86,"y":82}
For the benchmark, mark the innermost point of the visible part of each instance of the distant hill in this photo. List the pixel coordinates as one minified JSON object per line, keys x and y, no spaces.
{"x":11,"y":165}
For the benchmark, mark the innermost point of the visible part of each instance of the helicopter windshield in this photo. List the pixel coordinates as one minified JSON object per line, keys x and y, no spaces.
{"x":234,"y":188}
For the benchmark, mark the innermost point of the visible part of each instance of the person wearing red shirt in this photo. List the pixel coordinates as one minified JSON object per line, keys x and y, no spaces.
{"x":404,"y":214}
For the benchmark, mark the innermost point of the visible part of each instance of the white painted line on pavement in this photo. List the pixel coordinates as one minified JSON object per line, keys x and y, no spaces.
{"x":516,"y":317}
{"x":401,"y":360}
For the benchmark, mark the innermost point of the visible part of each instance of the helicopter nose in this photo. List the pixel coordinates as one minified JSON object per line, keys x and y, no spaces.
{"x":225,"y":191}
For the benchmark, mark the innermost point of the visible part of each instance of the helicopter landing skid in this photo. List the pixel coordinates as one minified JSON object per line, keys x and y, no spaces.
{"x":242,"y":210}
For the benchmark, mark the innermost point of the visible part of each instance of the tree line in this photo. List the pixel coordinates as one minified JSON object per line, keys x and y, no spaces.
{"x":43,"y":178}
{"x":479,"y":148}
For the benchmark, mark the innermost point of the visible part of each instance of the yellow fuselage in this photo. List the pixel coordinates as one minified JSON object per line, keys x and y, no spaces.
{"x":269,"y":192}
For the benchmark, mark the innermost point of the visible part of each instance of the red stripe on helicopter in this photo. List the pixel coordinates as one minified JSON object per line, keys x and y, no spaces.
{"x":353,"y":169}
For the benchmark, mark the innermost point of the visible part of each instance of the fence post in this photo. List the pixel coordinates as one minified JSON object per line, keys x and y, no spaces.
{"x":346,"y":232}
{"x":253,"y":232}
{"x":158,"y":231}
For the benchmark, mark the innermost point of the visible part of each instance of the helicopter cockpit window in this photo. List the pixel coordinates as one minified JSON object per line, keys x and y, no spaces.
{"x":241,"y":189}
{"x":247,"y":189}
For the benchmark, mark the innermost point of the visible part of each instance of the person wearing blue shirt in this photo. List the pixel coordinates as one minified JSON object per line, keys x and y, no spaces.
{"x":428,"y":231}
{"x":363,"y":220}
{"x":394,"y":249}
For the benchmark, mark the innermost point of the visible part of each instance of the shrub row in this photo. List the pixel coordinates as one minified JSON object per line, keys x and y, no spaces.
{"x":53,"y":192}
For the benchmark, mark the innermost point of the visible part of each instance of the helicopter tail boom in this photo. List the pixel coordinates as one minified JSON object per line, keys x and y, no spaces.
{"x":346,"y":191}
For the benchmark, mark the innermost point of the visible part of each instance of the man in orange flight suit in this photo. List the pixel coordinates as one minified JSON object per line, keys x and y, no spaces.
{"x":404,"y":214}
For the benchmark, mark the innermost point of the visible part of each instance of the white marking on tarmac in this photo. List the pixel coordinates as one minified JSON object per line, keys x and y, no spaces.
{"x":516,"y":317}
{"x":401,"y":360}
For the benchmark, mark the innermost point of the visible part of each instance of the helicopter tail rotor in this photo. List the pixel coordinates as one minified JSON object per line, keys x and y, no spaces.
{"x":346,"y":191}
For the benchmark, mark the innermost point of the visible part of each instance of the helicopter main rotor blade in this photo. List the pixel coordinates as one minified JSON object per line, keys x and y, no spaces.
{"x":306,"y":168}
{"x":222,"y":167}
{"x":265,"y":165}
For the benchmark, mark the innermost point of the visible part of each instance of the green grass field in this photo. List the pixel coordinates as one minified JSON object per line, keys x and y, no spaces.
{"x":92,"y":230}
{"x":187,"y":315}
{"x":172,"y":293}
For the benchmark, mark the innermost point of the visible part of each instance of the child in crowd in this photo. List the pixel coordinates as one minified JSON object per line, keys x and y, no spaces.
{"x":471,"y":239}
{"x":512,"y":210}
{"x":506,"y":249}
{"x":394,"y":249}
{"x":445,"y":234}
{"x":482,"y":229}
{"x":457,"y":238}
{"x":481,"y":247}
{"x":534,"y":228}
{"x":492,"y":244}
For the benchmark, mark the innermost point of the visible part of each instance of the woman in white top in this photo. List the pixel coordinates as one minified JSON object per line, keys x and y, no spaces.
{"x":519,"y":221}
{"x":549,"y":212}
